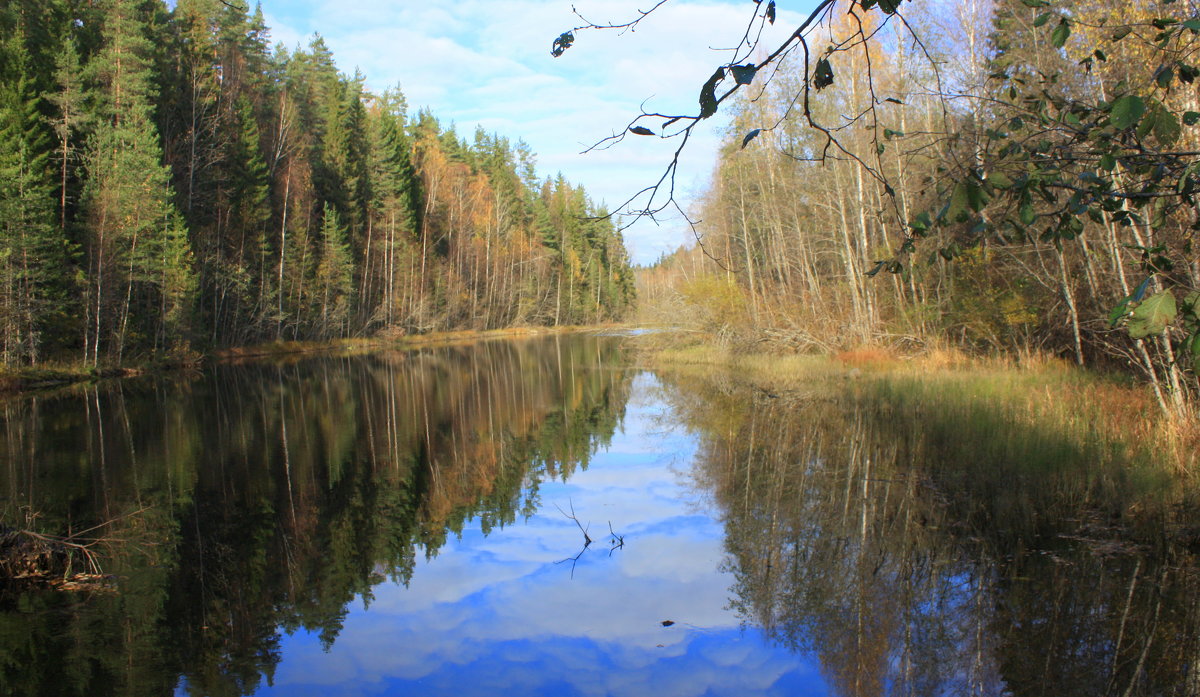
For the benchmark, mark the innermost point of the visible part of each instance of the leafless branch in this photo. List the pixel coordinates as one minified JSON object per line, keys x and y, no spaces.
{"x":587,"y":540}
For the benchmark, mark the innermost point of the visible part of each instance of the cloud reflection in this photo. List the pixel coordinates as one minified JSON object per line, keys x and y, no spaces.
{"x":495,"y":615}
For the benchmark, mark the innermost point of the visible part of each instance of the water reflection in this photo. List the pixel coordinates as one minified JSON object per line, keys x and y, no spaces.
{"x":852,"y":543}
{"x":267,"y":498}
{"x":390,"y":524}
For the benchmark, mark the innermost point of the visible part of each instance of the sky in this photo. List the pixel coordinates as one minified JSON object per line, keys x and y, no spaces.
{"x":487,"y":63}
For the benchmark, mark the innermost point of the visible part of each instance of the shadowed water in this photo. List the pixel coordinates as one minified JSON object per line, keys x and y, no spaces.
{"x":401,"y":523}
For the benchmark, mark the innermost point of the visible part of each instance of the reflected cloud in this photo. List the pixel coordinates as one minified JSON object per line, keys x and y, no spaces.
{"x":495,"y":614}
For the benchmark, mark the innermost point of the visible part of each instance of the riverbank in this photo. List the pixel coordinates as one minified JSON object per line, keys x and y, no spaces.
{"x":1030,"y":411}
{"x":53,"y":375}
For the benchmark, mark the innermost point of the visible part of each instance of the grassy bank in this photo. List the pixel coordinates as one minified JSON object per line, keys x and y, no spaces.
{"x":1015,"y":419}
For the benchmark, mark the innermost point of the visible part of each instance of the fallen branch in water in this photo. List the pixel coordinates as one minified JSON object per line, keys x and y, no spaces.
{"x":70,"y":562}
{"x":587,"y":540}
{"x":615,"y":541}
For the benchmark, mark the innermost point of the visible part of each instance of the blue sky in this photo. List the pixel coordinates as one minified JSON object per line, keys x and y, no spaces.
{"x":488,"y":63}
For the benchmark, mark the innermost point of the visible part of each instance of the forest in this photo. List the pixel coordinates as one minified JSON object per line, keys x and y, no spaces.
{"x":170,"y":182}
{"x":1008,"y":177}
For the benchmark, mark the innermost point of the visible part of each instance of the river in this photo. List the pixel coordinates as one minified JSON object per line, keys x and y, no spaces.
{"x":543,"y":517}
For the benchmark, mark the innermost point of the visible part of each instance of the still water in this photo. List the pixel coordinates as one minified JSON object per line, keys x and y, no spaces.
{"x":417,"y":523}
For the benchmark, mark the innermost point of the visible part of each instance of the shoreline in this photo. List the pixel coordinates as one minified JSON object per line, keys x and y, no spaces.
{"x":54,"y":375}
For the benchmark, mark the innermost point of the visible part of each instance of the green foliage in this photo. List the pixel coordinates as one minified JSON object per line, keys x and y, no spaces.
{"x":220,"y":192}
{"x":1152,"y":315}
{"x":718,"y":299}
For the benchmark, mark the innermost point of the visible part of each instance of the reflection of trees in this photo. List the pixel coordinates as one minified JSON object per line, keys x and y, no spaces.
{"x":278,"y":494}
{"x":846,"y":543}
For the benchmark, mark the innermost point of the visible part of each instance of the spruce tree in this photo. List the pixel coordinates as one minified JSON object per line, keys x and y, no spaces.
{"x":335,"y":276}
{"x":32,"y":252}
{"x":139,"y":272}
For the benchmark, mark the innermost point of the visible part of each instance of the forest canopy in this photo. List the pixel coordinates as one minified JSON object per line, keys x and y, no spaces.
{"x":169,"y":181}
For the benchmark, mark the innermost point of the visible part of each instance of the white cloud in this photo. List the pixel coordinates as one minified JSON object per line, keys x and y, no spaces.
{"x":487,"y":62}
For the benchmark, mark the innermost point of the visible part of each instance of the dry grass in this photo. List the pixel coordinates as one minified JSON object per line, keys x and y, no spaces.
{"x":868,"y":358}
{"x":1035,"y":396}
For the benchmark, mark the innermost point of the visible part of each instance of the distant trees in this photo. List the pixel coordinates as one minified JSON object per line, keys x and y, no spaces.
{"x":170,"y":181}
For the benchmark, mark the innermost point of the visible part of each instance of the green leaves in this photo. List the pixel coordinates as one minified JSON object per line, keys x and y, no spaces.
{"x":1000,"y":180}
{"x":1122,"y":308}
{"x":1058,"y":37}
{"x":1162,"y":123}
{"x":967,"y":196}
{"x":921,"y":224}
{"x":1192,"y":346}
{"x":1152,"y":315}
{"x":1127,"y":111}
{"x":822,"y":74}
{"x":1164,"y":75}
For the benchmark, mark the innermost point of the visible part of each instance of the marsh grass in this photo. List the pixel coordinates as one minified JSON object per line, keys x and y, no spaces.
{"x":1021,"y":446}
{"x":1029,"y":448}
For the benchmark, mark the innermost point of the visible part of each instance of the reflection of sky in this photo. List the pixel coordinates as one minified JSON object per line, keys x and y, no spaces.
{"x":496,"y":615}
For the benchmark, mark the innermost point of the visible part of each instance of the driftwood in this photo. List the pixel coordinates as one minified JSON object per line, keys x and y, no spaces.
{"x":30,"y":558}
{"x":69,"y":563}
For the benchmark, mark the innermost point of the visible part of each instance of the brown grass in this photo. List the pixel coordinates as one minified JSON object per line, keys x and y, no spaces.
{"x":1037,"y":390}
{"x":867,"y":357}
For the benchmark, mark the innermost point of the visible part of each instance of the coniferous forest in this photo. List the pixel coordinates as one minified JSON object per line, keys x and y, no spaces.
{"x":171,"y":182}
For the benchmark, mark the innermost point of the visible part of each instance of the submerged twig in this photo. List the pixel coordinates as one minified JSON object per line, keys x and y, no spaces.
{"x":587,"y":538}
{"x":615,"y":541}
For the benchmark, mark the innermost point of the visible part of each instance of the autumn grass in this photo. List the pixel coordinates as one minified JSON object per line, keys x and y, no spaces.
{"x":1038,"y":423}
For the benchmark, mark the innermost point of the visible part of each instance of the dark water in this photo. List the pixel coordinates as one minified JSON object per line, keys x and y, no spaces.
{"x":400,"y":523}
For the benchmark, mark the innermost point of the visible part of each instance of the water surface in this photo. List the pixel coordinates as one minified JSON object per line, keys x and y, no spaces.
{"x":410,"y":523}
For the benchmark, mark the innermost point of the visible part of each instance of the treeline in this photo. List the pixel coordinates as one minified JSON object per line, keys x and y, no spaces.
{"x":170,"y":182}
{"x":1021,"y":172}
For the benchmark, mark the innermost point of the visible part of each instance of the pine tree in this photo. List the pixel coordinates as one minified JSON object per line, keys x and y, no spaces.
{"x":138,"y":259}
{"x":71,"y":117}
{"x":395,"y":209}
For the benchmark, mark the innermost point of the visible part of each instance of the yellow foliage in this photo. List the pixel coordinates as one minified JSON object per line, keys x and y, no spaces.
{"x":718,"y":299}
